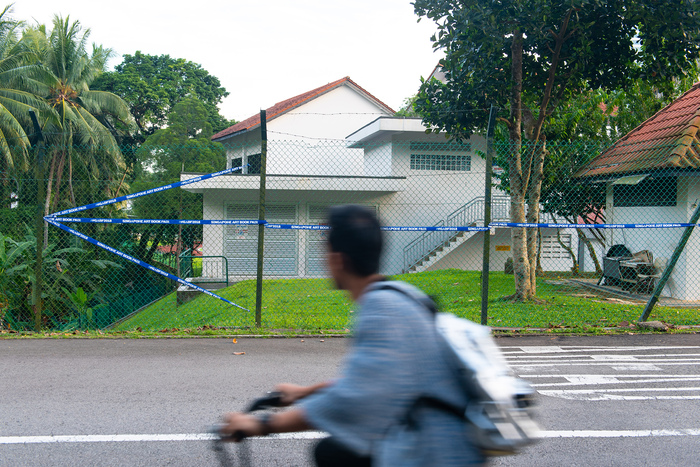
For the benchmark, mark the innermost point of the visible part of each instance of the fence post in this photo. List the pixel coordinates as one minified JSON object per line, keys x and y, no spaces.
{"x":669,"y":269}
{"x":261,"y":216}
{"x":485,"y":267}
{"x":38,"y":139}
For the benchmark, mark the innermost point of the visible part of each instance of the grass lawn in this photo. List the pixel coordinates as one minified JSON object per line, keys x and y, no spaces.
{"x":311,"y":305}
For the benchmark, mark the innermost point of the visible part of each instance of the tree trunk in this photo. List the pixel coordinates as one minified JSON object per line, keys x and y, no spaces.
{"x":530,"y":178}
{"x":70,"y":181}
{"x":6,"y":195}
{"x":591,"y":251}
{"x":48,"y":198}
{"x":59,"y":178}
{"x":574,"y":268}
{"x":521,"y":262}
{"x":533,"y":211}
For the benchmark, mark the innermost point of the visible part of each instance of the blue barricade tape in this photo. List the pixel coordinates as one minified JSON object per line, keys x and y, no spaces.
{"x":592,"y":226}
{"x":88,"y":220}
{"x":387,"y":228}
{"x":297,"y":227}
{"x":435,"y":229}
{"x":121,"y":254}
{"x":92,"y":220}
{"x":145,"y":192}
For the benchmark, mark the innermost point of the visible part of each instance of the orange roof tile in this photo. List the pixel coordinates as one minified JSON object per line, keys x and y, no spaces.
{"x":292,"y":103}
{"x":667,"y":140}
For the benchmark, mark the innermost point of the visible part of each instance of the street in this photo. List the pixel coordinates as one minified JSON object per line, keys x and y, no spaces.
{"x":603,"y":400}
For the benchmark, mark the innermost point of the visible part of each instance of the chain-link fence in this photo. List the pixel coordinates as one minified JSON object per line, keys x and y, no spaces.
{"x":589,"y":242}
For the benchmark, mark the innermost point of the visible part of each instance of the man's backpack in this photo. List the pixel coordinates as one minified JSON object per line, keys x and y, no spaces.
{"x":500,"y":411}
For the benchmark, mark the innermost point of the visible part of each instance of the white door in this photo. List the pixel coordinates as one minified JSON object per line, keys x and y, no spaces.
{"x":316,"y":241}
{"x":241,"y":241}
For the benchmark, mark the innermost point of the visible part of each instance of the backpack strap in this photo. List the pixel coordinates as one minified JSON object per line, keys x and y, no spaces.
{"x":426,"y":301}
{"x":422,"y":401}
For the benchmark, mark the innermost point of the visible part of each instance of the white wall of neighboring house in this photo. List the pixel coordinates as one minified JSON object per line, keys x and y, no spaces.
{"x":685,"y":281}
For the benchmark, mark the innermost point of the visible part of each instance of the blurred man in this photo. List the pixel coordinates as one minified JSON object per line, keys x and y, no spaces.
{"x":387,"y":408}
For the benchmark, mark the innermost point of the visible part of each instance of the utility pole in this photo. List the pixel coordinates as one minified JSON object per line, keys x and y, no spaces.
{"x":485,"y":265}
{"x":261,"y":216}
{"x":38,"y":142}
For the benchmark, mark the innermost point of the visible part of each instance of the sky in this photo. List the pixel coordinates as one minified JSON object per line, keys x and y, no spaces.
{"x":264,"y":51}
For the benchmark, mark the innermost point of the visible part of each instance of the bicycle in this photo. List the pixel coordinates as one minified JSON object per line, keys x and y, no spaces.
{"x":272,"y":400}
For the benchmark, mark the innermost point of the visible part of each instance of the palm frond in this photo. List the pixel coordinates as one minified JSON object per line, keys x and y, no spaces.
{"x":104,"y":102}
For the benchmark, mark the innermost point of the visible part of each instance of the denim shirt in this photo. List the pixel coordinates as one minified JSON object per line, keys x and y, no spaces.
{"x":395,"y":358}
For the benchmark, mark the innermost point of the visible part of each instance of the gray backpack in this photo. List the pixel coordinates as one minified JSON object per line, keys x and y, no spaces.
{"x":500,"y":411}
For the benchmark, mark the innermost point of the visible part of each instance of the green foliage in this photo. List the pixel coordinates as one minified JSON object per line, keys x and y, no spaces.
{"x":11,"y":269}
{"x":83,"y":314}
{"x":183,"y":146}
{"x":79,"y":122}
{"x":408,"y":108}
{"x":604,"y":45}
{"x":64,"y":271}
{"x":16,"y":98}
{"x":153,"y":85}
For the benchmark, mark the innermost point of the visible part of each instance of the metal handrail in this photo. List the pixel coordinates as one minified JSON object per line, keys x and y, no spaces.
{"x":224,"y":269}
{"x":186,"y":263}
{"x":426,"y":243}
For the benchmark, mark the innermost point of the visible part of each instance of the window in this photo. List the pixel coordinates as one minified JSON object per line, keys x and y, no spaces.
{"x":649,"y":192}
{"x":552,"y":249}
{"x":441,"y":162}
{"x":237,"y":162}
{"x":446,"y":146}
{"x":254,"y":164}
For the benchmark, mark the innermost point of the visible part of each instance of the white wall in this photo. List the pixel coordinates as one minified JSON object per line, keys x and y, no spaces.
{"x":305,"y":140}
{"x":685,"y":280}
{"x":469,"y":255}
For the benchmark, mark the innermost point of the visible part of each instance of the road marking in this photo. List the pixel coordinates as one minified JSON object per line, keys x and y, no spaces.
{"x":587,"y":380}
{"x":599,"y":357}
{"x":575,"y":376}
{"x":510,"y":350}
{"x":618,"y":433}
{"x":318,"y":435}
{"x":607,"y":394}
{"x":639,"y":366}
{"x":626,"y":359}
{"x":142,"y":438}
{"x":591,"y":391}
{"x":636,"y":367}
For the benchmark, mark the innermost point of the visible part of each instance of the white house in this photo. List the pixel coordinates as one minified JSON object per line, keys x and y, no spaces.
{"x":652,"y":176}
{"x":339,"y":144}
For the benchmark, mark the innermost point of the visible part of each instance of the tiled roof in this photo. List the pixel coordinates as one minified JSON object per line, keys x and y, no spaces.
{"x":667,"y":140}
{"x":289,"y":104}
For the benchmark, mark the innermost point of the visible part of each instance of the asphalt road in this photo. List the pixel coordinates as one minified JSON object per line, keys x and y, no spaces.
{"x":603,"y":400}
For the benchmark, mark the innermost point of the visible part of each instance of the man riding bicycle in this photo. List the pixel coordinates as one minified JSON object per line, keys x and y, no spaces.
{"x":374,"y":411}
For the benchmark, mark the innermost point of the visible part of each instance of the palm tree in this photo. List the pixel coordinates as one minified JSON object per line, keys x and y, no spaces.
{"x":15,"y":101}
{"x":81,"y":133}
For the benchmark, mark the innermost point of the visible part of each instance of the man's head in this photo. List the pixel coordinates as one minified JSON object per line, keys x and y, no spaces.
{"x":355,"y":242}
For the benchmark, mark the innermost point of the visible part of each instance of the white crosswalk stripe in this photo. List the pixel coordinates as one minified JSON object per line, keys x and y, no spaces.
{"x":579,"y":372}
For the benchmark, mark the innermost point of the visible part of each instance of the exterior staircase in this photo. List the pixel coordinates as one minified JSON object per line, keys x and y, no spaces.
{"x":432,"y":246}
